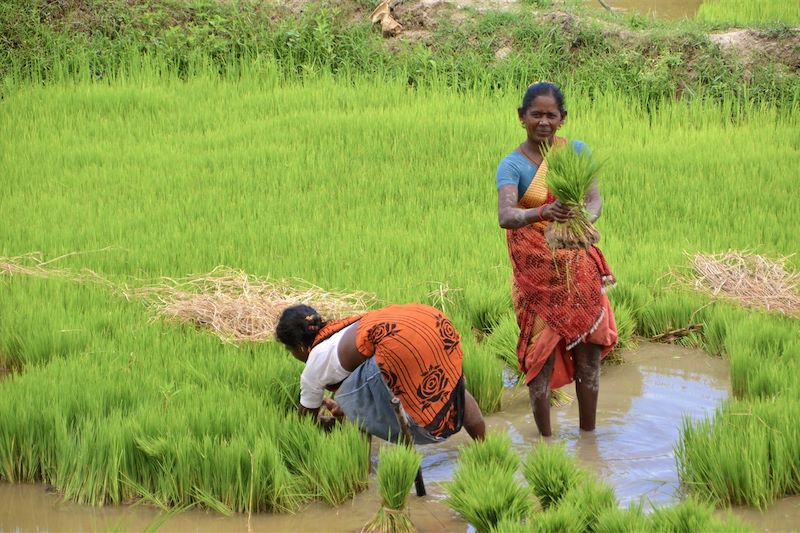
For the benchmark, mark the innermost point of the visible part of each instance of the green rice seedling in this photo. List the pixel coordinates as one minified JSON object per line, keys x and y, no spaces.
{"x":484,"y":496}
{"x":570,"y":177}
{"x":339,"y":466}
{"x":483,"y":373}
{"x":566,"y":517}
{"x":748,"y":12}
{"x":692,"y":515}
{"x":495,"y":449}
{"x":587,"y":501}
{"x":712,"y":463}
{"x":616,"y":520}
{"x":502,"y":340}
{"x":510,"y":525}
{"x":551,"y":473}
{"x":626,"y":327}
{"x":397,"y":469}
{"x":486,"y":307}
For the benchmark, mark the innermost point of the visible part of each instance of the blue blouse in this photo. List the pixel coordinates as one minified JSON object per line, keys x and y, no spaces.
{"x":516,"y":169}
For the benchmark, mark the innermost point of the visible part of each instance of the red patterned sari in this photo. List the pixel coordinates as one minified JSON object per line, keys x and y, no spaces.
{"x":559,"y":296}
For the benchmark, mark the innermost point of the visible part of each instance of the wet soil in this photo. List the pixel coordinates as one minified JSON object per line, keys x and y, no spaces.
{"x":641,"y":406}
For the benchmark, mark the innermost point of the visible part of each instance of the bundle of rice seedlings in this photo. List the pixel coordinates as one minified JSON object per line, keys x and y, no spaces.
{"x":569,"y":178}
{"x":485,"y":496}
{"x":588,"y":500}
{"x":397,"y":469}
{"x":564,"y":518}
{"x":495,"y":449}
{"x":551,"y":473}
{"x":616,"y":520}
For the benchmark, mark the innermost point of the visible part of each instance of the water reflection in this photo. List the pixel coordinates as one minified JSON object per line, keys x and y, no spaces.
{"x":663,"y":9}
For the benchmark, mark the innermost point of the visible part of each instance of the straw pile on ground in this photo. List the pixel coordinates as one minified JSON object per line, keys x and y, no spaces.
{"x":749,"y":279}
{"x":239,"y":307}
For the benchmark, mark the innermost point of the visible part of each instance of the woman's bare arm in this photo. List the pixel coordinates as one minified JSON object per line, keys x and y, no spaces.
{"x":473,"y":418}
{"x":509,"y":216}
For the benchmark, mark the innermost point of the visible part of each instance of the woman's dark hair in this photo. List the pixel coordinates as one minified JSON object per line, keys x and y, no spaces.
{"x":539,"y":89}
{"x":298,"y":325}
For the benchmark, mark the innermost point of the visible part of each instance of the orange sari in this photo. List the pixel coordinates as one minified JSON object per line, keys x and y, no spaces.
{"x":419,"y":354}
{"x":559,"y":296}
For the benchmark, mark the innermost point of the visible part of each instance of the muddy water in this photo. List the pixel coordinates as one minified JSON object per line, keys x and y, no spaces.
{"x":662,"y":9}
{"x":639,"y":415}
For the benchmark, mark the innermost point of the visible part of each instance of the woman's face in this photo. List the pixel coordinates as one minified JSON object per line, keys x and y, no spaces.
{"x":542,"y":119}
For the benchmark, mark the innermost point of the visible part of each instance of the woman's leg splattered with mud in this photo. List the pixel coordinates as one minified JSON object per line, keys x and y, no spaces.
{"x":587,"y":383}
{"x":539,"y":393}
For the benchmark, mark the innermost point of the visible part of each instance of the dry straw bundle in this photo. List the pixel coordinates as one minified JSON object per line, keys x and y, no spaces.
{"x":749,"y":279}
{"x":239,"y":307}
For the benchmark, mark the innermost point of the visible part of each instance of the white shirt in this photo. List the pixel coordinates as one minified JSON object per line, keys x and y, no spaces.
{"x":322,"y":368}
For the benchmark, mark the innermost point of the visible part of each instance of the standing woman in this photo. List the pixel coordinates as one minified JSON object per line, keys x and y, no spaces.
{"x":565,"y":319}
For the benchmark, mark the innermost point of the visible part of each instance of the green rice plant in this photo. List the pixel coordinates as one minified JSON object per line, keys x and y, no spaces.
{"x":757,"y":349}
{"x":566,"y":517}
{"x":551,"y":473}
{"x":712,"y":463}
{"x":672,"y":311}
{"x":748,"y":12}
{"x":484,"y":496}
{"x":495,"y":449}
{"x":692,"y":515}
{"x":616,"y":520}
{"x":626,"y":327}
{"x":502,"y":340}
{"x":486,"y":308}
{"x":511,"y":525}
{"x":587,"y":501}
{"x":570,"y":176}
{"x":397,"y":469}
{"x":483,"y":373}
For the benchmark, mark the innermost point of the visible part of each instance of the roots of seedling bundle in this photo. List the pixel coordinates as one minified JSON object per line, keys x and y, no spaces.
{"x":576,"y":233}
{"x":390,"y":521}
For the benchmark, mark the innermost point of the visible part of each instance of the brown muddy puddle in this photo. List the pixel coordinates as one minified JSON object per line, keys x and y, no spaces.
{"x":640,"y":411}
{"x":662,"y":9}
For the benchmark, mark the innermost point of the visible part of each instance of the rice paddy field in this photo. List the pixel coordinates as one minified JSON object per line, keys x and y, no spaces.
{"x":352,"y":184}
{"x":745,"y":12}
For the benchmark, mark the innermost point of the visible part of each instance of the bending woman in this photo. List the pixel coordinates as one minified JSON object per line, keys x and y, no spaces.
{"x":411,"y":352}
{"x":566,"y":323}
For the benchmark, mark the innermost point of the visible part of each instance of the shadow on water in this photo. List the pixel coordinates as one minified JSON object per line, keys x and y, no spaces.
{"x":641,"y":406}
